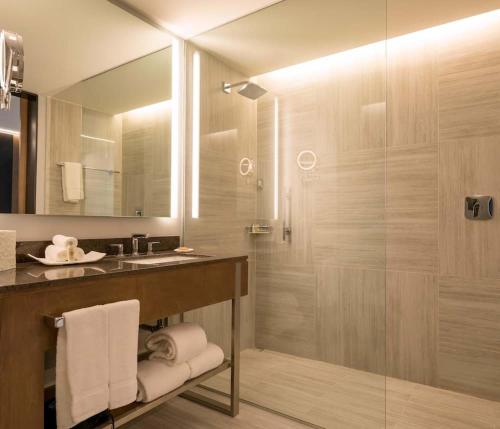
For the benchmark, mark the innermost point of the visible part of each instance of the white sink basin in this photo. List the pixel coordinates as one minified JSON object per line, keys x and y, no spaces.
{"x":160,"y":260}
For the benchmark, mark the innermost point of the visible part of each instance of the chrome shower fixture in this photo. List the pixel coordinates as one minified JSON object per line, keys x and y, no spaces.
{"x":11,"y":66}
{"x":247,"y":89}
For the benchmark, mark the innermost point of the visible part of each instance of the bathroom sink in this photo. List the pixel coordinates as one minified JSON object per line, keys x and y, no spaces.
{"x":160,"y":260}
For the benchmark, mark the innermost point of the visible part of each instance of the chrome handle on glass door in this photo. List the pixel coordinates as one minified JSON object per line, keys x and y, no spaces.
{"x":287,"y":217}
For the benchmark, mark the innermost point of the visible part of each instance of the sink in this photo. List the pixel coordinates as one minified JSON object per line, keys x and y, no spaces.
{"x":160,"y":260}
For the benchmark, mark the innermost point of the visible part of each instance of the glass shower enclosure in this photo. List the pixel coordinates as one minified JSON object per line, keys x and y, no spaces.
{"x":373,"y":302}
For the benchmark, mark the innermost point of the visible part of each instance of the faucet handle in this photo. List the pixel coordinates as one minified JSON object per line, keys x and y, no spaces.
{"x":119,"y":247}
{"x":150,"y":246}
{"x":140,"y":235}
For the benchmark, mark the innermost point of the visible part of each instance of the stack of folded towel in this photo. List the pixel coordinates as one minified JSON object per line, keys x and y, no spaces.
{"x":179,"y":353}
{"x":64,"y":249}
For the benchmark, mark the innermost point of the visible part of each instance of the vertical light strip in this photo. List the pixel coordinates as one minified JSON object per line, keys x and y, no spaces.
{"x":276,"y":157}
{"x":195,"y":192}
{"x":175,"y":129}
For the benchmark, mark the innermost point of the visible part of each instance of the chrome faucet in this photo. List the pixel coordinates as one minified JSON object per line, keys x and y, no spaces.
{"x":119,"y":248}
{"x":135,"y":243}
{"x":150,"y":247}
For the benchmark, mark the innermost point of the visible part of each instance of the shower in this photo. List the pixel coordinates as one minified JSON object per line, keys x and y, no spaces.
{"x":248,"y":89}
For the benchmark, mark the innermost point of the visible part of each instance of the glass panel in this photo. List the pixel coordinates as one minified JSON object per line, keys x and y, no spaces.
{"x":443,"y":304}
{"x":120,"y":132}
{"x":313,"y":325}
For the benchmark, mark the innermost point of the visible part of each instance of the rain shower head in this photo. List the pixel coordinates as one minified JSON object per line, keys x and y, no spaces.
{"x":247,"y":89}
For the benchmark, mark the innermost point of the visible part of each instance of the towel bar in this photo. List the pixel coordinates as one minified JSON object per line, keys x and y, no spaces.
{"x":58,"y":322}
{"x":60,"y":164}
{"x":54,"y":321}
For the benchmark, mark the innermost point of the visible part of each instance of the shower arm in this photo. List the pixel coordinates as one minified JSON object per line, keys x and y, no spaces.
{"x":228,"y":86}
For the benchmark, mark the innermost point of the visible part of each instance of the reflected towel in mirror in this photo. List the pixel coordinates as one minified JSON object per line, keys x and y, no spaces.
{"x":72,"y":182}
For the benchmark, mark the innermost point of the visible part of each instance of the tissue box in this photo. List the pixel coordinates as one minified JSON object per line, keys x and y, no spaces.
{"x":7,"y":250}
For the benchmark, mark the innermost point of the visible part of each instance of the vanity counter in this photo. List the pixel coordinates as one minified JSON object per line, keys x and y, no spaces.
{"x":31,"y":275}
{"x":32,"y":294}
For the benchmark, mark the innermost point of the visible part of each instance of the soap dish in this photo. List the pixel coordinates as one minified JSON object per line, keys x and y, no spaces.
{"x":184,"y":250}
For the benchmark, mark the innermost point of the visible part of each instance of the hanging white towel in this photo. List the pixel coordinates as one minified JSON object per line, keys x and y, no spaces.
{"x":156,"y":378}
{"x":72,"y":182}
{"x":123,"y":324}
{"x":210,"y":358}
{"x":177,"y":344}
{"x":82,"y":371}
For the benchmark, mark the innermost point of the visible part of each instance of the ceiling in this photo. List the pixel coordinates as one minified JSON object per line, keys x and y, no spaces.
{"x":66,"y":41}
{"x":295,"y":31}
{"x":122,"y":89}
{"x":188,"y":18}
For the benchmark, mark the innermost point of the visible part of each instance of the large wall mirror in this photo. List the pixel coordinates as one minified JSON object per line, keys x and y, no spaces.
{"x":91,"y":134}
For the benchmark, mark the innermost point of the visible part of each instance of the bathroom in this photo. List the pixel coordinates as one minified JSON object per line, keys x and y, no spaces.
{"x":325,"y":170}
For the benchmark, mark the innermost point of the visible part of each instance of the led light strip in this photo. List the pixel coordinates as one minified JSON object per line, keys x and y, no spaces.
{"x":85,"y":136}
{"x":195,"y":191}
{"x":276,"y":157}
{"x":175,"y":128}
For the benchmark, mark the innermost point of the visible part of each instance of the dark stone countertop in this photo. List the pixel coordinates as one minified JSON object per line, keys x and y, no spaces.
{"x":34,"y":275}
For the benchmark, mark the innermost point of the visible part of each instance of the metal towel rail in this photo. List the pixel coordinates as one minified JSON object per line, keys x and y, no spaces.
{"x":54,"y":321}
{"x":61,"y":164}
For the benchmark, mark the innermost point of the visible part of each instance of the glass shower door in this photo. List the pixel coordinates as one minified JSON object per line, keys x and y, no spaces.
{"x":313,"y":325}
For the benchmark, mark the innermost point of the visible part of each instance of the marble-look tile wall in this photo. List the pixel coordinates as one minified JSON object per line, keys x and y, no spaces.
{"x":443,"y":133}
{"x":227,"y":200}
{"x":66,"y":124}
{"x":321,"y":294}
{"x":383,"y":272}
{"x":146,"y":160}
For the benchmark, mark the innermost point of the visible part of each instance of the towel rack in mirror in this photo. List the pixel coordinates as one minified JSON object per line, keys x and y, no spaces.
{"x":60,"y":164}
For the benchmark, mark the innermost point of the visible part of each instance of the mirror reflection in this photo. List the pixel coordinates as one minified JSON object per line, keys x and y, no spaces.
{"x":108,"y":146}
{"x":90,"y":133}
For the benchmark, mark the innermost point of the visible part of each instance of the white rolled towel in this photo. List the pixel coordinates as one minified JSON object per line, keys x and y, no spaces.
{"x":64,"y":241}
{"x":76,"y":254}
{"x":56,"y":253}
{"x":155,"y":379}
{"x":177,"y":344}
{"x":210,"y":358}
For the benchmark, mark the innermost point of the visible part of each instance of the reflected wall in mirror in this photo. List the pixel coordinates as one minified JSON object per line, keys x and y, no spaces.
{"x":91,"y":134}
{"x":118,"y":130}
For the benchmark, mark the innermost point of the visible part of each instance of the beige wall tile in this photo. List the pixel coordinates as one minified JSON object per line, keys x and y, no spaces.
{"x":412,"y":178}
{"x":412,"y":326}
{"x":412,"y":240}
{"x":63,"y":144}
{"x":469,"y":336}
{"x":146,"y":162}
{"x":412,"y":102}
{"x":468,"y":248}
{"x":351,"y":317}
{"x":469,"y":82}
{"x":286,"y":310}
